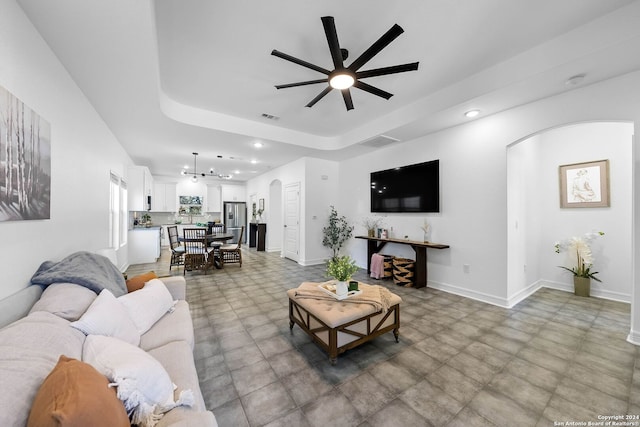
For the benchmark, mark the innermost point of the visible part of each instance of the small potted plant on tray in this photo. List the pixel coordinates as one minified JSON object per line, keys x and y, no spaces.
{"x":341,"y":268}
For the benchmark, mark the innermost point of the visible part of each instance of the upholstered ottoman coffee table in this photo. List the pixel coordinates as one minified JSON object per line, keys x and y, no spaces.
{"x":339,"y":325}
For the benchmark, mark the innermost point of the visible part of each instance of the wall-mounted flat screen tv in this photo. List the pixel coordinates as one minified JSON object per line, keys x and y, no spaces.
{"x":412,"y":188}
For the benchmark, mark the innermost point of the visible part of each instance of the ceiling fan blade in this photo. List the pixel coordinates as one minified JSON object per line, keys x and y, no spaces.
{"x":308,"y":82}
{"x":372,"y":90}
{"x":299,"y":62}
{"x":348,"y":102}
{"x":387,"y":70}
{"x":375,"y":48}
{"x":332,"y":39}
{"x":319,"y":97}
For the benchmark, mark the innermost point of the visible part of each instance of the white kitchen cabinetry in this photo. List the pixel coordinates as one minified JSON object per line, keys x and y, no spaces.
{"x":139,"y":188}
{"x":165,"y":198}
{"x":164,"y":236}
{"x":144,"y":245}
{"x":233,"y":193}
{"x":213,"y":199}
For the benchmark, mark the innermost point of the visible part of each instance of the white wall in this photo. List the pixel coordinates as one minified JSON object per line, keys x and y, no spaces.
{"x":473,"y":177}
{"x":83,"y":152}
{"x":523,"y":217}
{"x":612,"y":252}
{"x":317,"y":194}
{"x":322,"y":189}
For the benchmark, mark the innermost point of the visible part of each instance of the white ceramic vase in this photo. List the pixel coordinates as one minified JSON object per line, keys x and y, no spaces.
{"x":342,"y":287}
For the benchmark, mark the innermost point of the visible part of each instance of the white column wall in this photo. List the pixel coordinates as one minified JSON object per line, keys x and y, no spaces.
{"x":83,"y":152}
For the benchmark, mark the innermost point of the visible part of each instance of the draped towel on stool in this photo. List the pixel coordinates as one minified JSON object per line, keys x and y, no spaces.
{"x":377,"y":266}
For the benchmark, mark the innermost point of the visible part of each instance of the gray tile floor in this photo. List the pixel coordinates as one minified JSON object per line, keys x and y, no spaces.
{"x":554,"y":357}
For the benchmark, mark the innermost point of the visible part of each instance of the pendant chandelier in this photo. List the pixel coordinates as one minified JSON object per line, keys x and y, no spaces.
{"x":195,"y":172}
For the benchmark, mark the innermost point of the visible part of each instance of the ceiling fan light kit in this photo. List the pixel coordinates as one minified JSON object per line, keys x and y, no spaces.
{"x":343,"y":78}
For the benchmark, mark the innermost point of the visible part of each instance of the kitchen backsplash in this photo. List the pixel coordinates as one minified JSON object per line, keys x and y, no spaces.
{"x":160,"y":218}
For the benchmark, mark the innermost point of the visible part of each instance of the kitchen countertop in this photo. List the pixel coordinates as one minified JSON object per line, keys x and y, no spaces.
{"x":153,"y":227}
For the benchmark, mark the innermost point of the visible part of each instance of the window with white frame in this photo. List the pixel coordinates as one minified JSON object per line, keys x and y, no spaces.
{"x":123,"y":213}
{"x":117,"y":212}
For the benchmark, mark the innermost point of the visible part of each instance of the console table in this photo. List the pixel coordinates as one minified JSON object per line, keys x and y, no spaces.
{"x":257,"y":235}
{"x":375,"y":244}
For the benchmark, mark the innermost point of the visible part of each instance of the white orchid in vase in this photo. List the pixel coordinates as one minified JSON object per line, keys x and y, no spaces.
{"x":579,"y":247}
{"x":426,"y":228}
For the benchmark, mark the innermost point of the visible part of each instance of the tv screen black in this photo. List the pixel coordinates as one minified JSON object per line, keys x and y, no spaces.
{"x":412,"y":188}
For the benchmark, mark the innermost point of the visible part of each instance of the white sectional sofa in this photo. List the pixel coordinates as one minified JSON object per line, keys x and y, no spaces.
{"x":35,"y":330}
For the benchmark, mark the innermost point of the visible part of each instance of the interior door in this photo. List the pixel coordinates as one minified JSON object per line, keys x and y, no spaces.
{"x":292,"y":221}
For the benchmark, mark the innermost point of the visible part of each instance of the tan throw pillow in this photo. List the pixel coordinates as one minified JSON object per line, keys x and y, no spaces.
{"x":65,"y":300}
{"x":76,"y":394}
{"x":137,"y":282}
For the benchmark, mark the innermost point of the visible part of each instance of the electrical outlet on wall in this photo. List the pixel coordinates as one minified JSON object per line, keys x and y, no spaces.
{"x":466,"y":268}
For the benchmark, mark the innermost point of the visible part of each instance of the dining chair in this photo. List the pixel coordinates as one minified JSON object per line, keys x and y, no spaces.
{"x":217,"y":228}
{"x":197,"y":256}
{"x":232,"y":253}
{"x":177,"y":249}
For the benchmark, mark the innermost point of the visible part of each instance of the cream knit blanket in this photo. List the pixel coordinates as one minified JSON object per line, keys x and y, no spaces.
{"x":377,"y":296}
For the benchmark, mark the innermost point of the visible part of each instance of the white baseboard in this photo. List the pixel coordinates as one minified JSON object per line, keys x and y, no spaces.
{"x":309,"y":262}
{"x":468,"y":293}
{"x":524,"y":293}
{"x":600,"y":293}
{"x":633,"y":337}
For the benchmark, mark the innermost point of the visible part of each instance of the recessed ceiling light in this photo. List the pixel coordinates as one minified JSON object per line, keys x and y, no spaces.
{"x":236,"y":172}
{"x":257,"y":144}
{"x":472,"y":113}
{"x":254,"y":162}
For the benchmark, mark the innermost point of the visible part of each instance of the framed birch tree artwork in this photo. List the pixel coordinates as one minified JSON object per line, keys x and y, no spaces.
{"x":25,"y":161}
{"x":585,"y":185}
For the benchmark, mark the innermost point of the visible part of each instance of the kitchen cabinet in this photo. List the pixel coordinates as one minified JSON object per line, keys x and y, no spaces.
{"x":144,"y":245}
{"x":233,"y":193}
{"x":213,"y":199}
{"x":165,"y":198}
{"x":139,"y":188}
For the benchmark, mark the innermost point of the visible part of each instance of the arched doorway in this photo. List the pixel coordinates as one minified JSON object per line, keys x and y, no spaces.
{"x":536,"y":220}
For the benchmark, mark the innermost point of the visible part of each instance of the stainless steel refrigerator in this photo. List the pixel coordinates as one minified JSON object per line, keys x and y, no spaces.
{"x":235,"y":216}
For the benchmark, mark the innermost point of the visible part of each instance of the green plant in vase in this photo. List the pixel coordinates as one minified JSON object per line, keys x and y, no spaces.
{"x":372,"y":224}
{"x":337,"y":232}
{"x":341,"y":268}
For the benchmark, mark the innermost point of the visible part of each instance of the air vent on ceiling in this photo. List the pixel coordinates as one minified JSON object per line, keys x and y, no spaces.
{"x":379,"y":141}
{"x":270,"y":116}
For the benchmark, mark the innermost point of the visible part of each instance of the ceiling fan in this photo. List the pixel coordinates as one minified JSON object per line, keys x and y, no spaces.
{"x":343,"y":77}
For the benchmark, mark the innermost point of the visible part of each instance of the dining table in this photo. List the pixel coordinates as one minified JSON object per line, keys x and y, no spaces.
{"x":215,"y":237}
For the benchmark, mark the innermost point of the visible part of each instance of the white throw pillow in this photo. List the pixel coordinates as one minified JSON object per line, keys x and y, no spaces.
{"x":142,"y":383}
{"x":147,"y":305}
{"x":107,"y":316}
